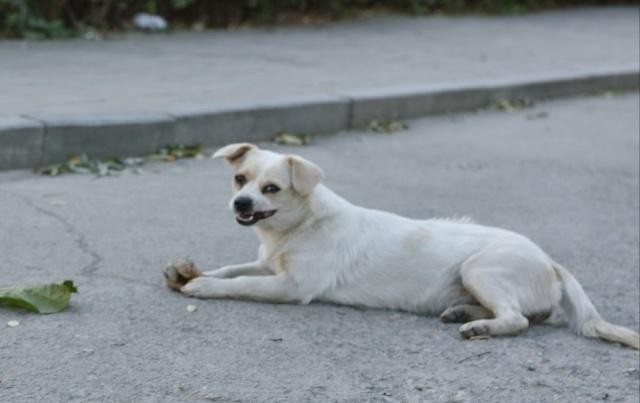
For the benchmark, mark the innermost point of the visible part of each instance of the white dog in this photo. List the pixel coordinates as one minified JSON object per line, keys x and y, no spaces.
{"x":316,"y":246}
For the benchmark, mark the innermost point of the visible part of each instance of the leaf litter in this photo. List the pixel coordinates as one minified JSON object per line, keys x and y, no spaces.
{"x":293,"y":139}
{"x":513,"y":104}
{"x":387,"y":126}
{"x":84,"y":164}
{"x":176,"y":152}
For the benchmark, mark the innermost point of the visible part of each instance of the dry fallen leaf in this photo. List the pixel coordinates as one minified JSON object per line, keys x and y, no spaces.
{"x":387,"y":126}
{"x":512,"y":104}
{"x":293,"y":139}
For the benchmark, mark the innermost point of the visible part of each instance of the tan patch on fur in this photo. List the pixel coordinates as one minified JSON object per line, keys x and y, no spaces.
{"x":234,"y":185}
{"x":244,"y":173}
{"x":416,"y":238}
{"x":283,"y":262}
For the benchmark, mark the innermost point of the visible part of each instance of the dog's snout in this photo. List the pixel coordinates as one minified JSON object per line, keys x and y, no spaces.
{"x":243,"y":204}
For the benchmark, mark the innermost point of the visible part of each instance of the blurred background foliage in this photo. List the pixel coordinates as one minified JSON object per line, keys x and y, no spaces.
{"x":35,"y":19}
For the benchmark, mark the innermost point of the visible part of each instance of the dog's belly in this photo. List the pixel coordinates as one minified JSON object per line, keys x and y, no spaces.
{"x":404,"y":290}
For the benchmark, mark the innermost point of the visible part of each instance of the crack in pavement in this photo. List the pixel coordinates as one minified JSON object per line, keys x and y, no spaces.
{"x":79,"y":239}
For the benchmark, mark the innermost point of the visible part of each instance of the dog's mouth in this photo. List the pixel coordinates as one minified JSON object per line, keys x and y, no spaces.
{"x":253,"y":217}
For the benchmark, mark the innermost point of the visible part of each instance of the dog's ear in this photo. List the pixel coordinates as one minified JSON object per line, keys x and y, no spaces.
{"x":233,"y":152}
{"x":305,"y":175}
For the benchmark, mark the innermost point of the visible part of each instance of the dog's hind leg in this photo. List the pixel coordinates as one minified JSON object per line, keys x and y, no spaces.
{"x":490,"y":288}
{"x":506,"y":322}
{"x":465,"y":313}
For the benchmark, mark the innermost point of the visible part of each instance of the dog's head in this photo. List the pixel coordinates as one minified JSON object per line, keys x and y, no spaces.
{"x":270,"y":189}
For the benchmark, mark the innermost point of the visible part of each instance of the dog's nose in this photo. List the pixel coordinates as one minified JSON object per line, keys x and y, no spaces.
{"x":243,"y":204}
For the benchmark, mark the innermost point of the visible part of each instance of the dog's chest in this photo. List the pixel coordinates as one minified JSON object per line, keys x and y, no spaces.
{"x":279,"y":262}
{"x":277,"y":258}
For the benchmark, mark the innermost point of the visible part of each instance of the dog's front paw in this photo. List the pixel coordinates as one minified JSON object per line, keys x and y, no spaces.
{"x":179,"y":272}
{"x":196,"y":287}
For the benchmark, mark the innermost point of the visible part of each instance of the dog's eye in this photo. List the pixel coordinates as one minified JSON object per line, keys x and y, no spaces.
{"x":240,"y":180}
{"x":270,"y":189}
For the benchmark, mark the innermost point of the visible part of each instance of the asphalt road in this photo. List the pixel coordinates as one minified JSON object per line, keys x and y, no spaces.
{"x":564,"y":173}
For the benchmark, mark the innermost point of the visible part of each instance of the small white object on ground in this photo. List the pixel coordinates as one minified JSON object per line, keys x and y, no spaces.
{"x":13,"y":323}
{"x":191,"y":308}
{"x":149,"y":22}
{"x":461,"y":396}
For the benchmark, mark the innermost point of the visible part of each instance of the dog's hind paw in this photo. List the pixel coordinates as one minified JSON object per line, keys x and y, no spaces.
{"x":179,"y":272}
{"x":474,"y":331}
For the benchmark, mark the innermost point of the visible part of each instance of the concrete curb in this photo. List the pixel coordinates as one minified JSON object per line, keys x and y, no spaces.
{"x":20,"y":142}
{"x":30,"y":141}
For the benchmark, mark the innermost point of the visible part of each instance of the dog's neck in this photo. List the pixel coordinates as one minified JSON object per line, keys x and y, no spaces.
{"x":321,"y":204}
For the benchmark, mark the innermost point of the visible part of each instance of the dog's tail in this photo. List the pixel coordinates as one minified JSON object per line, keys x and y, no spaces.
{"x":584,"y":319}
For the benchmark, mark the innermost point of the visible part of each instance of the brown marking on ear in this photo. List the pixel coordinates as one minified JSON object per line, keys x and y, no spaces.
{"x":234,"y":152}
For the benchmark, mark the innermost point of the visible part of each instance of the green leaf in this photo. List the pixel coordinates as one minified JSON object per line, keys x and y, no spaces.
{"x":45,"y":298}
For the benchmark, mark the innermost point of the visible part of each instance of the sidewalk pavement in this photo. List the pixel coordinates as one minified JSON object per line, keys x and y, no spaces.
{"x":130,"y":94}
